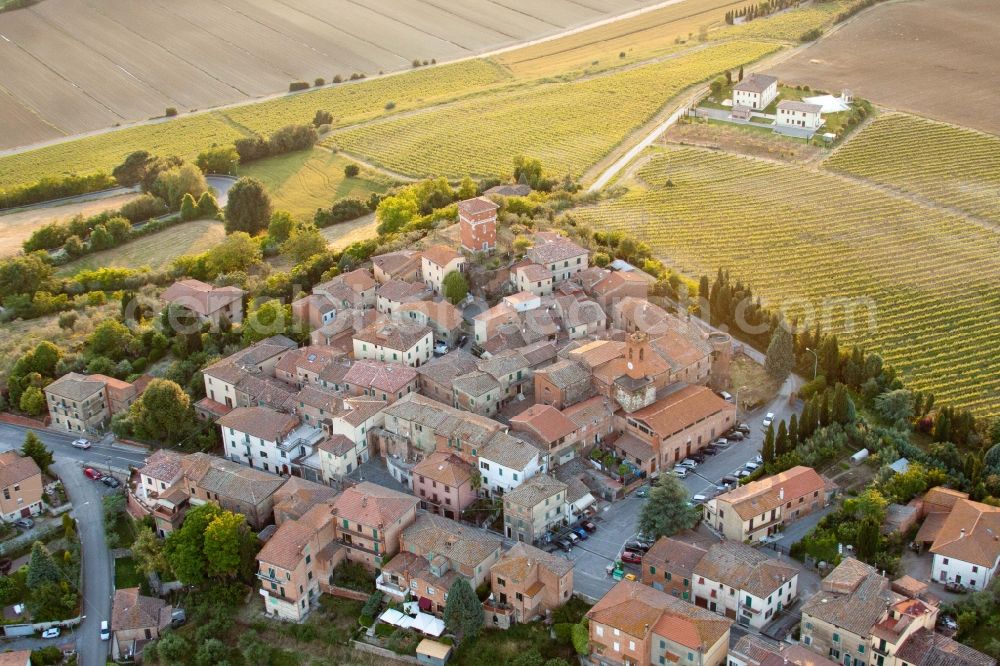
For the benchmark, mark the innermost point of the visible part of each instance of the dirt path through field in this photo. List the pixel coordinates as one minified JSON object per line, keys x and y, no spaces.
{"x":16,"y":227}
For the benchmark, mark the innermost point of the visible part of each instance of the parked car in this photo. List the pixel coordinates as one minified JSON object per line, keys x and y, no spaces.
{"x":698,"y":457}
{"x":680,"y":472}
{"x":699,"y":498}
{"x":637,"y":546}
{"x":580,"y":532}
{"x":687,"y":462}
{"x":82,"y":443}
{"x":722,"y":443}
{"x":759,"y":459}
{"x":725,"y":396}
{"x":736,"y":436}
{"x":588,"y":525}
{"x":642,"y":492}
{"x":743,"y":428}
{"x":92,"y":474}
{"x":768,"y":420}
{"x":111,"y":481}
{"x":440,"y":349}
{"x":24,"y":523}
{"x":565,"y":544}
{"x":178,"y":617}
{"x":948,"y":622}
{"x":51,"y":632}
{"x":952,"y":586}
{"x":740,"y":474}
{"x":728,"y":480}
{"x":630,"y":576}
{"x":462,"y":340}
{"x":105,"y":631}
{"x":751,"y":466}
{"x":632,"y":557}
{"x":710,"y":450}
{"x":573,"y":538}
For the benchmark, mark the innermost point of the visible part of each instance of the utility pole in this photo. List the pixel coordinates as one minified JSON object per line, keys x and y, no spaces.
{"x":815,"y":362}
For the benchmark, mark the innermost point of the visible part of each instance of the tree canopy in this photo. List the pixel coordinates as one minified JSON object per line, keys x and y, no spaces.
{"x":248,"y":207}
{"x":35,"y":449}
{"x":162,"y":413}
{"x":780,"y":355}
{"x":455,"y":287}
{"x":462,"y":612}
{"x":667,"y":511}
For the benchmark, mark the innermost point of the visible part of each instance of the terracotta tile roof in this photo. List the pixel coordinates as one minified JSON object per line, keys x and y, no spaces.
{"x":744,"y":568}
{"x":931,"y":527}
{"x":315,"y":397}
{"x":674,"y":555}
{"x":131,"y":610}
{"x":588,"y":277}
{"x":638,"y":610}
{"x":387,"y":377}
{"x":293,"y":499}
{"x":566,"y":373}
{"x":336,"y":445}
{"x":444,"y":369}
{"x":398,"y":335}
{"x":499,"y":311}
{"x":756,"y":83}
{"x":805,"y":107}
{"x":940,"y":498}
{"x":505,"y":337}
{"x":534,"y":272}
{"x":163,"y":465}
{"x":431,"y":535}
{"x":765,"y":494}
{"x":397,"y":291}
{"x":475,"y":384}
{"x":477,"y":205}
{"x":442,"y":313}
{"x":74,"y":386}
{"x":440,"y":255}
{"x":417,"y":408}
{"x":926,"y":648}
{"x":263,"y":422}
{"x":284,"y":549}
{"x":229,"y":479}
{"x":355,"y":411}
{"x":14,"y":468}
{"x":373,"y":505}
{"x":634,"y":447}
{"x":681,"y":409}
{"x":445,"y":468}
{"x":535,"y":490}
{"x":546,"y":421}
{"x":553,"y":250}
{"x":199,"y":297}
{"x":518,"y":563}
{"x":538,"y":353}
{"x":597,"y":353}
{"x":359,"y":280}
{"x":970,"y":533}
{"x":590,"y":412}
{"x":853,"y":597}
{"x":505,"y":363}
{"x":508,"y":451}
{"x":393,"y":263}
{"x":754,"y":648}
{"x":236,"y":366}
{"x":15,"y":658}
{"x":617,"y":279}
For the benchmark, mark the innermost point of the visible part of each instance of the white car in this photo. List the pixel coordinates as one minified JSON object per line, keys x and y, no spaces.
{"x":105,"y":631}
{"x":725,"y":396}
{"x":440,"y":348}
{"x":51,"y":632}
{"x":699,"y":499}
{"x":82,"y":443}
{"x":759,"y":459}
{"x":722,"y":442}
{"x":768,"y":420}
{"x":752,"y":466}
{"x":680,"y":472}
{"x":687,"y":462}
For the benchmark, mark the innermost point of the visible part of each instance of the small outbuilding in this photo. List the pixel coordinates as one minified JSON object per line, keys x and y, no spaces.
{"x":859,"y":457}
{"x":433,"y":653}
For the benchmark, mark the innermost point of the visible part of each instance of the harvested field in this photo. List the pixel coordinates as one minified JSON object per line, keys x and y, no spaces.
{"x":555,"y":123}
{"x":79,"y":66}
{"x":156,"y":251}
{"x":742,"y":139}
{"x":16,"y":227}
{"x":343,"y":234}
{"x":931,"y":57}
{"x":305,"y":180}
{"x":911,"y":282}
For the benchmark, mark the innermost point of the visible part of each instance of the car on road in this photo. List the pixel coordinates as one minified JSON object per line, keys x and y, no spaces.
{"x":728,"y":480}
{"x":736,"y":436}
{"x":687,"y":462}
{"x":440,"y":348}
{"x":637,"y":546}
{"x":679,"y":472}
{"x":698,"y":457}
{"x":759,"y":459}
{"x":725,"y":396}
{"x":588,"y":525}
{"x":751,"y":466}
{"x":743,"y":428}
{"x":92,"y":474}
{"x":740,"y":474}
{"x":699,"y":498}
{"x":722,"y":443}
{"x":572,"y":538}
{"x":642,"y":492}
{"x":632,"y":557}
{"x":710,"y":450}
{"x":580,"y":532}
{"x":630,"y":576}
{"x":565,"y":544}
{"x":82,"y":443}
{"x":24,"y":523}
{"x":111,"y":482}
{"x":51,"y":632}
{"x":105,"y":631}
{"x":948,"y":622}
{"x":768,"y":420}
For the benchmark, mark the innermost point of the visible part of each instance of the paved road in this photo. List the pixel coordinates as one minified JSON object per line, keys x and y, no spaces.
{"x":99,"y":455}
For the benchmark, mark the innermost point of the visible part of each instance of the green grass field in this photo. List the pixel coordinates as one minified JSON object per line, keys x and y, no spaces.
{"x":567,"y":126}
{"x":157,"y":251}
{"x":305,"y":180}
{"x":820,"y":244}
{"x":950,"y":165}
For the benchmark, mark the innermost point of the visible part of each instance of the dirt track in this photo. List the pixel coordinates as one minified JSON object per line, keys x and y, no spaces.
{"x":935,"y":58}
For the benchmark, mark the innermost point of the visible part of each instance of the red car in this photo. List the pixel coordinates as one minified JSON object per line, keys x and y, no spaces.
{"x":632,"y":557}
{"x":92,"y":473}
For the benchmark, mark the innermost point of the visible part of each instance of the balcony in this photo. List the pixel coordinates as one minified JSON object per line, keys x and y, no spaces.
{"x":383,"y":584}
{"x":493,"y":606}
{"x":360,"y":547}
{"x":881,"y":649}
{"x":275,"y":595}
{"x":269,"y":578}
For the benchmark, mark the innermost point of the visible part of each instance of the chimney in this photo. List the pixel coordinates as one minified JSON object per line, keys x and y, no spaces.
{"x":781,"y":494}
{"x":961,"y":534}
{"x":364,"y":502}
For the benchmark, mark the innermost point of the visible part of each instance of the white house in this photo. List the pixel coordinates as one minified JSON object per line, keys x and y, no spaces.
{"x":799,"y":114}
{"x":966,"y":549}
{"x":737,"y":580}
{"x":266,"y":439}
{"x":755,"y":91}
{"x":437,"y":262}
{"x":534,"y":278}
{"x":561,"y":256}
{"x":403,"y":342}
{"x":506,"y":462}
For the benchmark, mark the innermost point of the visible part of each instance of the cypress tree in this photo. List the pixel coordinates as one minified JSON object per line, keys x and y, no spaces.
{"x":781,"y":441}
{"x":824,"y":410}
{"x":807,"y":422}
{"x":767,"y":450}
{"x":793,"y":432}
{"x":842,"y":408}
{"x":740,"y":75}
